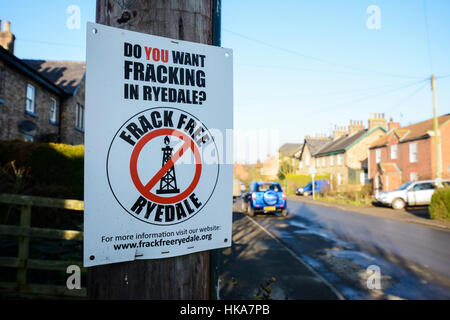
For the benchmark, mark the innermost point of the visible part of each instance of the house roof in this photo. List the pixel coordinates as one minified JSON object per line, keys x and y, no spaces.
{"x":412,"y":132}
{"x":67,"y":75}
{"x":290,"y":149}
{"x":29,"y":71}
{"x":315,"y":145}
{"x":341,"y":144}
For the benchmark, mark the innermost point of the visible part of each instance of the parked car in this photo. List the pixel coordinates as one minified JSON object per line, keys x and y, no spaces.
{"x":319,"y":187}
{"x":413,"y":193}
{"x":236,"y":188}
{"x":264,"y":197}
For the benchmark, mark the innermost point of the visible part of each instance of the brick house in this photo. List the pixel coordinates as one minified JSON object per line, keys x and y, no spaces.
{"x":408,"y":154}
{"x":309,"y":150}
{"x":270,"y":168}
{"x":345,"y":157}
{"x":40,"y":100}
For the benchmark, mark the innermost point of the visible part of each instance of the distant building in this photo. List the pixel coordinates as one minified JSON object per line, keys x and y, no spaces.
{"x":310,"y":147}
{"x":40,"y":100}
{"x":270,"y":168}
{"x":344,"y":155}
{"x":289,"y":153}
{"x":409,"y":154}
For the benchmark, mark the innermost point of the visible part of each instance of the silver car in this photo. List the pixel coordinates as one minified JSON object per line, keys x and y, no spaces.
{"x":413,"y":193}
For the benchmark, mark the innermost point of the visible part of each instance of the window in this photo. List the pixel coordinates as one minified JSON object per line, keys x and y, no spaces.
{"x":317,"y":162}
{"x":30,"y":99}
{"x":378,"y":155}
{"x":324,"y":161}
{"x":331,"y":160}
{"x":307,"y":160}
{"x":339,"y":179}
{"x":53,"y":113}
{"x":413,"y":176}
{"x":28,"y":138}
{"x":413,"y":155}
{"x":268,"y":186}
{"x":363,"y":177}
{"x":424,"y":186}
{"x":301,"y":164}
{"x":394,"y":151}
{"x":339,"y":159}
{"x":79,"y":120}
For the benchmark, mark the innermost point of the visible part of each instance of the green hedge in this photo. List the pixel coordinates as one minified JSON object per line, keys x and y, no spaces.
{"x":440,"y":204}
{"x":44,"y":169}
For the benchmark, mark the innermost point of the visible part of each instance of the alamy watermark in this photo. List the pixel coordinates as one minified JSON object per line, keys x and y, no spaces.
{"x":373,"y":22}
{"x":73,"y":21}
{"x":74,"y":280}
{"x":374,"y":279}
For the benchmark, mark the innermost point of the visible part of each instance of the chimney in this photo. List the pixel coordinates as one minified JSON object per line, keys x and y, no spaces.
{"x":339,"y":132}
{"x":355,"y":126}
{"x":393,"y":125}
{"x":6,"y":37}
{"x":377,"y":120}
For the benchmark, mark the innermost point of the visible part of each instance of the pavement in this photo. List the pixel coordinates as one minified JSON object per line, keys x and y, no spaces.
{"x":256,"y":258}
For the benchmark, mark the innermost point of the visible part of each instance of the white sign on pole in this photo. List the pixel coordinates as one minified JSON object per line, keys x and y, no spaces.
{"x":158,"y":171}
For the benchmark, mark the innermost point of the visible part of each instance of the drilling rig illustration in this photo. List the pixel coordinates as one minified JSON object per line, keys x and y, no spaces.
{"x":168,"y":183}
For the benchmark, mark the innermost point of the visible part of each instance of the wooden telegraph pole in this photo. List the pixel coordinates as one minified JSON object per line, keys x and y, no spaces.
{"x":186,"y":277}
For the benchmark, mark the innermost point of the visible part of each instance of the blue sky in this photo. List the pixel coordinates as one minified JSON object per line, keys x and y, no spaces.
{"x":300,"y":67}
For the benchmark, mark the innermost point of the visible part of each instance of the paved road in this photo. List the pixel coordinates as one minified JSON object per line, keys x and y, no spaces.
{"x":414,"y":260}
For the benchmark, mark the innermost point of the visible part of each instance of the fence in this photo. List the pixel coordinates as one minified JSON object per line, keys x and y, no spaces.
{"x":24,"y":232}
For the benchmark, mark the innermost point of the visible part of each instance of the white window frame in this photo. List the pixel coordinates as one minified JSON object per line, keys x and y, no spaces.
{"x":363,"y":178}
{"x":394,"y":151}
{"x":339,"y":179}
{"x":339,"y":159}
{"x":307,"y":160}
{"x":301,"y":164}
{"x":324,"y":161}
{"x":30,"y":99}
{"x":413,"y":152}
{"x":377,"y":155}
{"x":79,"y":117}
{"x":331,"y":160}
{"x":53,"y":110}
{"x":413,"y":176}
{"x":317,"y":163}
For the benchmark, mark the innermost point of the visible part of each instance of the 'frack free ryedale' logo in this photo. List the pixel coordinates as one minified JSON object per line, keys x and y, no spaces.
{"x":156,"y":166}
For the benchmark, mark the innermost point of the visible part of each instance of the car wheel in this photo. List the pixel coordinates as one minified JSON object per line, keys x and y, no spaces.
{"x":398,"y":204}
{"x":250,"y":211}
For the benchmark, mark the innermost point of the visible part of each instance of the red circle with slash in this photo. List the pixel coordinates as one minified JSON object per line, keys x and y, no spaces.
{"x":144,"y":189}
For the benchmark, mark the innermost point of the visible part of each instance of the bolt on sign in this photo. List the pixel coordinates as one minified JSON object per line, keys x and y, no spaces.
{"x":158,"y":166}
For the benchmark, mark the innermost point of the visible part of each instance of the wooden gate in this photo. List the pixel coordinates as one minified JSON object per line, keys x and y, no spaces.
{"x":23,"y":232}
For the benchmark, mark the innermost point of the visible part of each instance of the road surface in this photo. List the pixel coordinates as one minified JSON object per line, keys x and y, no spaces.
{"x":413,"y":260}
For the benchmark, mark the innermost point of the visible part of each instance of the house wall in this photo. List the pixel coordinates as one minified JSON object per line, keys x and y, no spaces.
{"x":13,"y":92}
{"x":69,"y":133}
{"x":425,"y":167}
{"x":357,"y":153}
{"x":305,"y":169}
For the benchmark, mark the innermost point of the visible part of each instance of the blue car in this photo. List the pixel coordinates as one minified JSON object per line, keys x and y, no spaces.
{"x":264,"y":197}
{"x":319,"y":187}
